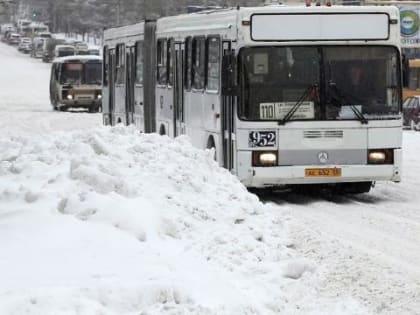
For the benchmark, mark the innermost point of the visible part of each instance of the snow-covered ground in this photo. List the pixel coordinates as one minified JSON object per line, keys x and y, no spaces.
{"x":98,"y":220}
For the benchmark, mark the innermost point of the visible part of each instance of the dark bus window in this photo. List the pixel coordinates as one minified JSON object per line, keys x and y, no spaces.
{"x":105,"y":66}
{"x":161,"y":61}
{"x":198,"y":55}
{"x":213,"y":63}
{"x":139,"y":62}
{"x":71,"y":73}
{"x":170,"y":61}
{"x":92,"y":73}
{"x":188,"y":63}
{"x":120,"y":64}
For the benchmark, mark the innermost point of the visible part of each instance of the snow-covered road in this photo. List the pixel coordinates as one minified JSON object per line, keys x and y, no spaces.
{"x":360,"y":254}
{"x":25,"y":98}
{"x":369,"y":245}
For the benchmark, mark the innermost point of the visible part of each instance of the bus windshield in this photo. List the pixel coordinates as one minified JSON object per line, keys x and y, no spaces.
{"x":93,"y":73}
{"x":65,"y":52}
{"x":319,"y":83}
{"x":81,"y":73}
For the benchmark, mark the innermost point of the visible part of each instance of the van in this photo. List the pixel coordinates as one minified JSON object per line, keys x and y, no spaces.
{"x":76,"y":82}
{"x":64,"y":50}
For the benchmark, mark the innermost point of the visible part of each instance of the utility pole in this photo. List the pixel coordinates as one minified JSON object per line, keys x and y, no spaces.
{"x":152,"y":9}
{"x":118,"y":12}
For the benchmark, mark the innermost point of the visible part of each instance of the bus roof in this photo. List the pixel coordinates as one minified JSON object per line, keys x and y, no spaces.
{"x":82,"y":58}
{"x":249,"y":24}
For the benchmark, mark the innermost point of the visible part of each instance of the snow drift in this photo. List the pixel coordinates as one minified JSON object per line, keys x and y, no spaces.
{"x":112,"y":221}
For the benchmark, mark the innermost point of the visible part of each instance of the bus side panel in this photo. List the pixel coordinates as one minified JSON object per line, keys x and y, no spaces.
{"x":164,"y":110}
{"x":211,"y":110}
{"x":120,"y":97}
{"x":194,"y":118}
{"x":139,"y":112}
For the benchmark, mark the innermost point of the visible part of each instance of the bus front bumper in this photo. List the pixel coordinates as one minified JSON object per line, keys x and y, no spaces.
{"x":82,"y":103}
{"x":260,"y":177}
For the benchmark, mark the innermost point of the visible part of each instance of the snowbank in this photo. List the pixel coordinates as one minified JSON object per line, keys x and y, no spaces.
{"x":111,"y":221}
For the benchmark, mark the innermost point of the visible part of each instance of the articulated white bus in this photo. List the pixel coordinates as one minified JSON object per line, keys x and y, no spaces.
{"x":284,"y":95}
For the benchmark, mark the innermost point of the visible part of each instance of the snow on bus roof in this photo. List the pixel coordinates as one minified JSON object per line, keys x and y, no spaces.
{"x":77,"y":58}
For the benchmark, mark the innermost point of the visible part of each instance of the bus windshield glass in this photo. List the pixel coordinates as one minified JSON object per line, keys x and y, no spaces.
{"x":320,"y":83}
{"x":65,"y":52}
{"x":93,"y":73}
{"x":81,"y":73}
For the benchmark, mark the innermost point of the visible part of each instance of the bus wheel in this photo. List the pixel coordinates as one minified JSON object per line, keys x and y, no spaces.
{"x":62,"y":108}
{"x":212,"y":146}
{"x":162,"y":130}
{"x":354,"y":188}
{"x":53,"y":102}
{"x":93,"y":109}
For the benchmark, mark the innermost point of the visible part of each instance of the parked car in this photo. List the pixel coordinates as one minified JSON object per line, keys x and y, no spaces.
{"x":49,"y":48}
{"x":411,"y":112}
{"x":64,"y":50}
{"x":25,"y":45}
{"x":14,"y":39}
{"x":93,"y":51}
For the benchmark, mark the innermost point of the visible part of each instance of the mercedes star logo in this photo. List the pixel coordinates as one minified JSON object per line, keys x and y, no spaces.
{"x":323,"y":157}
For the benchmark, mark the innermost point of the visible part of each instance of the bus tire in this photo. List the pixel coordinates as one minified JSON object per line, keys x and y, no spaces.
{"x":93,"y":109}
{"x":211,"y":145}
{"x":354,"y":188}
{"x":162,"y":130}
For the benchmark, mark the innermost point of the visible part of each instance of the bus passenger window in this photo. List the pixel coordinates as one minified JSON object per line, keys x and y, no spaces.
{"x":161,"y":61}
{"x":198,"y":55}
{"x":139,"y":62}
{"x":170,"y":62}
{"x":188,"y":63}
{"x":213,"y":65}
{"x":120,"y":64}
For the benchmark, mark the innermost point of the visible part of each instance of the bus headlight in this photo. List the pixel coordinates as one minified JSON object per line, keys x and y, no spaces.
{"x":69,"y":96}
{"x":381,"y":156}
{"x":264,"y":158}
{"x":99,"y":96}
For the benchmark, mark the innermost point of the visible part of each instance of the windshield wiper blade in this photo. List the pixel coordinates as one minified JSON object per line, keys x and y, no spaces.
{"x":359,"y":114}
{"x":340,"y":98}
{"x":295,"y":107}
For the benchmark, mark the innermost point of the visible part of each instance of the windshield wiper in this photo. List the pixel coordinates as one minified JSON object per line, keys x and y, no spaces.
{"x":300,"y":101}
{"x":341,"y":99}
{"x":359,"y":114}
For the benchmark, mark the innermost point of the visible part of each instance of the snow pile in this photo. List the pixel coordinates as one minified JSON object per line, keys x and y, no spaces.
{"x":111,"y":221}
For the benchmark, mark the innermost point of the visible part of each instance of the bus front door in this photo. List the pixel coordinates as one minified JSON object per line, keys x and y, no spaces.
{"x":178,"y":90}
{"x":228,"y":113}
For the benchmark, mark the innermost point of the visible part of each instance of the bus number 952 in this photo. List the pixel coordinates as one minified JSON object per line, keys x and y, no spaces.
{"x":262,"y":139}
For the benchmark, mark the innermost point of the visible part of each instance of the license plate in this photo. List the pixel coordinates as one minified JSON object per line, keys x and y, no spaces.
{"x":323,"y":172}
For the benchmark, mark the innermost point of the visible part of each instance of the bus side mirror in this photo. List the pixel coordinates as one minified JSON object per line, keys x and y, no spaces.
{"x":229,"y":75}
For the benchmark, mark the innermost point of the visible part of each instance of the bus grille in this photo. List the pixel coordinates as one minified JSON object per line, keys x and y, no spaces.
{"x":318,"y":134}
